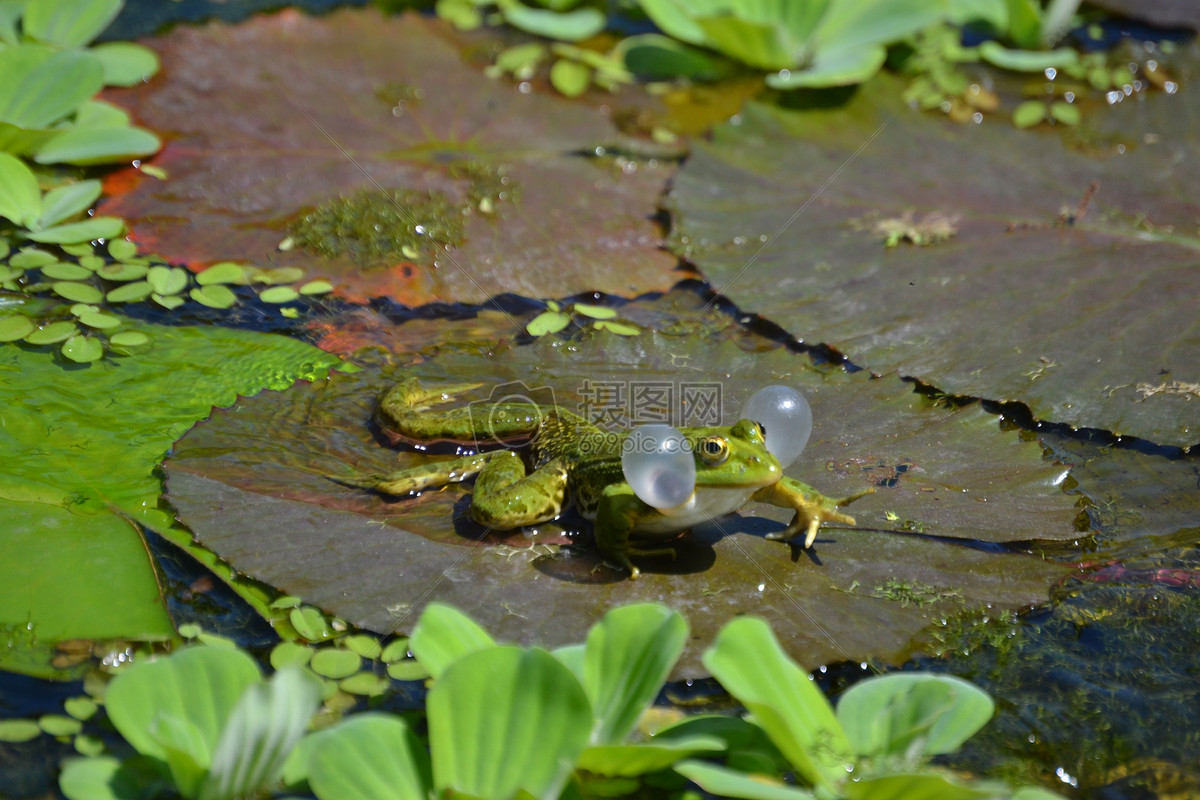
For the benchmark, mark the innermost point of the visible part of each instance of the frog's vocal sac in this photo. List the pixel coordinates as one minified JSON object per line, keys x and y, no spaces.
{"x":573,"y":461}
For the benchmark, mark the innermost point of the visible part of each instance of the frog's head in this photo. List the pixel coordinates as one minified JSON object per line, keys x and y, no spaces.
{"x":734,"y":456}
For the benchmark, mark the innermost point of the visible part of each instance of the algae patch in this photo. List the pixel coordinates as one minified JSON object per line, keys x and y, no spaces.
{"x":376,"y":228}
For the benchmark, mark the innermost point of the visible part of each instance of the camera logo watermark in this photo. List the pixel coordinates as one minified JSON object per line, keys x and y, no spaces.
{"x":514,"y":408}
{"x":509,"y":409}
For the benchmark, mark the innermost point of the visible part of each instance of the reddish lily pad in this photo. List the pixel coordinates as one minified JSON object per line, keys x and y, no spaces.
{"x":270,"y":119}
{"x":951,"y":489}
{"x":1069,"y":284}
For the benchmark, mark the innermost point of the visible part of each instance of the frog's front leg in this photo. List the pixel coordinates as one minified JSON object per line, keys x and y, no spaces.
{"x":616,"y":516}
{"x":812,"y":508}
{"x":505,"y":497}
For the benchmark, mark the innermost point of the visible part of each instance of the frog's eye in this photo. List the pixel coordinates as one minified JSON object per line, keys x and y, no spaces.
{"x":658,"y":466}
{"x":785,"y":419}
{"x":713,"y":450}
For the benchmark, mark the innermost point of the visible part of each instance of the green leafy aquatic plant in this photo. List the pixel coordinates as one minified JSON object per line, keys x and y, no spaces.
{"x":99,"y":281}
{"x":877,"y":744}
{"x":565,"y":20}
{"x":48,"y":77}
{"x":81,"y":448}
{"x":814,"y":44}
{"x":204,"y":720}
{"x":205,"y":723}
{"x":590,"y":695}
{"x":45,"y":217}
{"x":555,"y":319}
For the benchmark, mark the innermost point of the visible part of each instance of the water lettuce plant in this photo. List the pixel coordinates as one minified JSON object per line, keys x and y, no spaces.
{"x":810,"y":44}
{"x":565,"y":20}
{"x":48,"y":77}
{"x":46,"y":217}
{"x":203,"y":721}
{"x":878,"y":742}
{"x":512,"y":722}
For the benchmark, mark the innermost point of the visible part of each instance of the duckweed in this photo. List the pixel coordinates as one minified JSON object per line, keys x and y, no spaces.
{"x":91,"y":281}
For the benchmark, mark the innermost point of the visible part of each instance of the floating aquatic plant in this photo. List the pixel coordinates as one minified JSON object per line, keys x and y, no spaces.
{"x":47,"y":217}
{"x":555,"y":319}
{"x":204,"y":722}
{"x":98,"y":282}
{"x":829,"y":43}
{"x":48,"y":77}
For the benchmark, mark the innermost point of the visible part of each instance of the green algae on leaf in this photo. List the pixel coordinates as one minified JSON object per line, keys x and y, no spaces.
{"x":377,"y":228}
{"x":1034,"y":300}
{"x":255,"y":156}
{"x":253,"y":484}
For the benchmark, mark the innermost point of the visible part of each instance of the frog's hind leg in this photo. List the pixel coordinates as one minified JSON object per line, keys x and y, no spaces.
{"x":416,"y":479}
{"x":505,"y":497}
{"x":406,"y":408}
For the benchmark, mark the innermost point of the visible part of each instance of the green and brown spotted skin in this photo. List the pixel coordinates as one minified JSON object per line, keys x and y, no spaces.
{"x":574,"y":461}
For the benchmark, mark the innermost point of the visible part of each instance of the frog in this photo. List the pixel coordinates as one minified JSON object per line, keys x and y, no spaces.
{"x":571,"y":461}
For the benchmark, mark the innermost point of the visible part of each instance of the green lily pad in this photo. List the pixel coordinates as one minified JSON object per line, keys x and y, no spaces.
{"x":1033,"y":299}
{"x":64,"y":271}
{"x":130,"y":292}
{"x":170,"y":303}
{"x":122,"y":272}
{"x":14,"y":327}
{"x":100,"y":319}
{"x":75,"y":575}
{"x":83,"y":349}
{"x":252,"y":483}
{"x":78,"y":292}
{"x":225,"y":272}
{"x":53,"y":332}
{"x":81,"y":447}
{"x":129,"y":339}
{"x":167,"y":280}
{"x":214,"y":296}
{"x":330,"y":663}
{"x":278,"y":294}
{"x":19,"y":730}
{"x":425,"y":135}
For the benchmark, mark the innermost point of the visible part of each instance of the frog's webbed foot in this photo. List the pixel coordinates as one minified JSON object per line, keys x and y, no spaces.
{"x":812,"y":510}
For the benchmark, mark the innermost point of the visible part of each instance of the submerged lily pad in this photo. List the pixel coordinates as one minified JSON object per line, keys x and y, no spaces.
{"x":282,"y":123}
{"x":1069,"y":284}
{"x":252,"y":483}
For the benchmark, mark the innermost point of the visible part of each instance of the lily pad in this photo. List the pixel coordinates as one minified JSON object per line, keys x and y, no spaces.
{"x":1068,"y":285}
{"x":81,"y":447}
{"x":952,"y":489}
{"x":1162,"y":13}
{"x":256,"y":149}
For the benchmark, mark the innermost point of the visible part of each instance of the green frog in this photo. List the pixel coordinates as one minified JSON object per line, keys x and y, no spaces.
{"x":574,"y":461}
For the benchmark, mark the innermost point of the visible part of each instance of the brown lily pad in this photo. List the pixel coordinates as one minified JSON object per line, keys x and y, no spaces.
{"x":1164,"y":13}
{"x":951,"y":490}
{"x":273,"y":119}
{"x":1069,"y":283}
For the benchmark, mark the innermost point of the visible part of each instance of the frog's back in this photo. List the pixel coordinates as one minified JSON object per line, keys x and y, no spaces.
{"x":591,"y":456}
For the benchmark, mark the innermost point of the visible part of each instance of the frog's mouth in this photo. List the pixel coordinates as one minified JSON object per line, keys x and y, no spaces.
{"x":707,"y":502}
